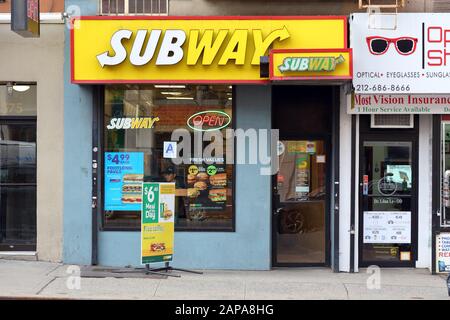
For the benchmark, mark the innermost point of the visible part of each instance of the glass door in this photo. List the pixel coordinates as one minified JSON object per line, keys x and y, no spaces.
{"x":300,"y":232}
{"x":17,"y":185}
{"x":388,"y":203}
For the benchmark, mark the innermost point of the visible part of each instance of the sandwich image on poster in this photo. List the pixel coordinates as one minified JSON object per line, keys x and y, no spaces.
{"x":124,"y":174}
{"x":206,"y":189}
{"x":132,"y":188}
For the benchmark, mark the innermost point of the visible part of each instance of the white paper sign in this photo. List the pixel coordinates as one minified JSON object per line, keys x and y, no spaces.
{"x":387,"y":227}
{"x":170,"y":149}
{"x":408,"y":55}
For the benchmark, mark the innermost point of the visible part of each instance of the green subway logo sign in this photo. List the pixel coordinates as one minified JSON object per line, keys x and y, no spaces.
{"x":312,"y":64}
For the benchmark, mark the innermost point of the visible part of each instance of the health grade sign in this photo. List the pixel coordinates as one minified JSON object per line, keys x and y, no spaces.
{"x":191,"y":49}
{"x":157,"y":222}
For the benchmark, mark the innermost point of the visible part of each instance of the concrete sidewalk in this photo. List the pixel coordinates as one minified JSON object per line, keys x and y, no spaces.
{"x":29,"y":279}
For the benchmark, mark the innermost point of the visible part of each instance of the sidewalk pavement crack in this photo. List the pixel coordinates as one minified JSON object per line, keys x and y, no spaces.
{"x":346,"y":291}
{"x":52,"y":270}
{"x":245,"y":290}
{"x":157,"y":287}
{"x":45,"y":286}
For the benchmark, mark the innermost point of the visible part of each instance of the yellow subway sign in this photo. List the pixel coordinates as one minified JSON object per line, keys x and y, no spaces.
{"x":191,"y":49}
{"x":308,"y":64}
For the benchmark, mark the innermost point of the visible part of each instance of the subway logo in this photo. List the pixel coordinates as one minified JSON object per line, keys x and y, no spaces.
{"x":316,"y":64}
{"x":132,"y":123}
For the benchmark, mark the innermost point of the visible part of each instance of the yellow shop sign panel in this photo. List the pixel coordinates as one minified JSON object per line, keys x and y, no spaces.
{"x":191,"y":49}
{"x":307,"y":64}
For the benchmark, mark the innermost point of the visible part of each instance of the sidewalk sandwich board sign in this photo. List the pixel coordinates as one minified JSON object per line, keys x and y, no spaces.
{"x":157,"y":222}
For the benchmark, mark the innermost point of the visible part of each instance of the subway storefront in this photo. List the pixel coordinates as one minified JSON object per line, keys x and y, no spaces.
{"x":244,"y":114}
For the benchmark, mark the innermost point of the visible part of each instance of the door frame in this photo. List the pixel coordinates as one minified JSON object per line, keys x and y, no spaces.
{"x":327,"y":143}
{"x":391,"y":136}
{"x":21,"y":120}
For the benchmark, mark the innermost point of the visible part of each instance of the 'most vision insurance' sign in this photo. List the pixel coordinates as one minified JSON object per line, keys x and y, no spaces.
{"x":408,"y":55}
{"x":191,"y":49}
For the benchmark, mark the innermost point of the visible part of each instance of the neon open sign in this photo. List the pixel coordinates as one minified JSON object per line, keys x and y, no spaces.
{"x":209,"y":120}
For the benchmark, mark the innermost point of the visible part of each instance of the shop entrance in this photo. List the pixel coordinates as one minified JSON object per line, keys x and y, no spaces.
{"x":17,"y":185}
{"x":301,"y":197}
{"x":388,"y":201}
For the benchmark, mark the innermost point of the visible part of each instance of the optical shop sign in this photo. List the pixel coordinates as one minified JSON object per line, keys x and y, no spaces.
{"x":191,"y":49}
{"x":401,"y":54}
{"x":398,"y":103}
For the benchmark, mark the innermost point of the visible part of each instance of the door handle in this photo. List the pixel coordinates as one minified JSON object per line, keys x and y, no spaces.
{"x":278,"y":210}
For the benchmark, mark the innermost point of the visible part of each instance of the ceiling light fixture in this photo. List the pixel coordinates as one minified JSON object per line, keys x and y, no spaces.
{"x":178,"y":86}
{"x":21,"y":88}
{"x":179,"y":98}
{"x":174,"y":93}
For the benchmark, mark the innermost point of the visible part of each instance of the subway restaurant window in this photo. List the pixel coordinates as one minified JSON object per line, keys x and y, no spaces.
{"x":139,"y":121}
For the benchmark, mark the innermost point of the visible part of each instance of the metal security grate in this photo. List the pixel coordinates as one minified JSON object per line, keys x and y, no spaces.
{"x":392,"y":121}
{"x":134,"y":7}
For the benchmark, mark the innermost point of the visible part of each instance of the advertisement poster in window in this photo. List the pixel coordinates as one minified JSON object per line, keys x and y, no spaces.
{"x":387,"y":227}
{"x":207,"y":189}
{"x":443,"y":252}
{"x":157,"y":222}
{"x":124,"y":173}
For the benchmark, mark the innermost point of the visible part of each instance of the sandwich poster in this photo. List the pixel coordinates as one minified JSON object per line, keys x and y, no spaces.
{"x":207,"y":188}
{"x":124,"y":173}
{"x":157,"y":222}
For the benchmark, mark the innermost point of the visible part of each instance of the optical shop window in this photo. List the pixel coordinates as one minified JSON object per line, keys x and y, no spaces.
{"x":445,"y":199}
{"x":139,"y":147}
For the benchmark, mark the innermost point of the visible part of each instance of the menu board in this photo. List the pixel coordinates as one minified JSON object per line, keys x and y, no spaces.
{"x":124,"y":173}
{"x":207,"y":188}
{"x":387,"y":227}
{"x":443,"y":252}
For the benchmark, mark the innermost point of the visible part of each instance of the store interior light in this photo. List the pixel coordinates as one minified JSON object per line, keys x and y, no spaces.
{"x":169,"y":86}
{"x":179,"y":98}
{"x":174,"y":93}
{"x":21,"y":88}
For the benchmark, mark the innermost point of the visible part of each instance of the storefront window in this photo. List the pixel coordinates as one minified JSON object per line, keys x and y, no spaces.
{"x":17,"y":99}
{"x":445,"y":201}
{"x":138,"y":126}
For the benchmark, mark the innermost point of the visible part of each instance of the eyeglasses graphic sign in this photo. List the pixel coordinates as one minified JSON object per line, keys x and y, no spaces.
{"x":411,"y":58}
{"x":379,"y":45}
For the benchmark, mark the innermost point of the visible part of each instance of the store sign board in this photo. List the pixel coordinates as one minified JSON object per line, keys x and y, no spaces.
{"x":25,"y":18}
{"x":191,"y":49}
{"x":387,"y":227}
{"x":124,"y":173}
{"x":310,"y":64}
{"x":443,"y":252}
{"x":157,"y":222}
{"x":402,"y":53}
{"x":398,"y":104}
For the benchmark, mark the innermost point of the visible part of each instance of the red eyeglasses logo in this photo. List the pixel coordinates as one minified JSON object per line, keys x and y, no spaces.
{"x":380,"y":45}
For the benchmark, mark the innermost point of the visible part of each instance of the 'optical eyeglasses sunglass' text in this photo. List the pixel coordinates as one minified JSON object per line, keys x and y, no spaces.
{"x":380,"y":45}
